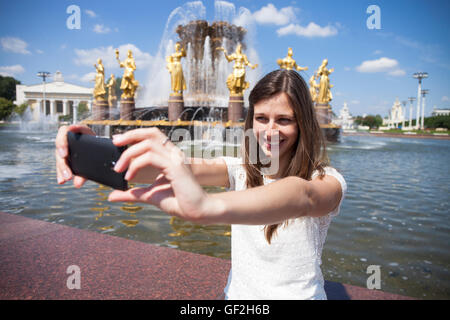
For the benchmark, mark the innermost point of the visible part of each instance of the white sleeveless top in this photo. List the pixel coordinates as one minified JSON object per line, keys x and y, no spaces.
{"x":289,"y":267}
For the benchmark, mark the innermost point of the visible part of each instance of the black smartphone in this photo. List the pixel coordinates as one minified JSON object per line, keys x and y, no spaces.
{"x":94,"y":158}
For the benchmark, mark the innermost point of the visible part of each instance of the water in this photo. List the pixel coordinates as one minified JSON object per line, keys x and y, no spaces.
{"x":214,"y":74}
{"x":395,"y":214}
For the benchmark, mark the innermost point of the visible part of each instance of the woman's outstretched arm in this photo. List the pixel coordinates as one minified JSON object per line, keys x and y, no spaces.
{"x":177,"y":192}
{"x":287,"y":198}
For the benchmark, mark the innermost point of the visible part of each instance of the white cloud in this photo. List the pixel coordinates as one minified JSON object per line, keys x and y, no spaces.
{"x":39,"y":51}
{"x":271,"y":15}
{"x":266,"y":15}
{"x":15,"y":45}
{"x":90,"y":13}
{"x":376,"y":52}
{"x":87,"y":57}
{"x":100,"y":28}
{"x":11,"y":71}
{"x":381,"y":65}
{"x":445,"y":99}
{"x":310,"y":31}
{"x":88,"y":77}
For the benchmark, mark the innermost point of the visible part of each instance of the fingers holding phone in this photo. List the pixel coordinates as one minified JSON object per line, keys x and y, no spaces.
{"x":63,"y":172}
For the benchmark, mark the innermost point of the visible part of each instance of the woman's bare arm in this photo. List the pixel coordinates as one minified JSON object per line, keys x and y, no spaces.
{"x":207,"y":172}
{"x":287,"y":198}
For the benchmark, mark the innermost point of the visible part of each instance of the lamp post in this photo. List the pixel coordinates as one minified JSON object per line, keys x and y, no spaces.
{"x":419,"y":76}
{"x":44,"y":75}
{"x":403,"y":114}
{"x":411,"y":100}
{"x":424,"y":93}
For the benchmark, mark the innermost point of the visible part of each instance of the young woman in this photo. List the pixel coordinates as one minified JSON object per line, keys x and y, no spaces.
{"x":279,"y":218}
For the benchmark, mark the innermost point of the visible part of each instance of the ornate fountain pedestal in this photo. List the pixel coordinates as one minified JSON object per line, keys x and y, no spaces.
{"x":324,"y":116}
{"x":236,"y":108}
{"x":127,"y":107}
{"x":175,"y":106}
{"x":323,"y":113}
{"x":100,"y":110}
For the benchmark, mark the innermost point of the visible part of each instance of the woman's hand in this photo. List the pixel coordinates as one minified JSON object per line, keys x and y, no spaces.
{"x":63,"y":172}
{"x":175,"y":190}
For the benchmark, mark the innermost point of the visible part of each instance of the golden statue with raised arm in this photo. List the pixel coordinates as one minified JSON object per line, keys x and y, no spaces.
{"x":289,"y":63}
{"x":99,"y":88}
{"x":324,"y":95}
{"x":236,"y":81}
{"x":112,"y":97}
{"x":128,"y":84}
{"x":176,"y":70}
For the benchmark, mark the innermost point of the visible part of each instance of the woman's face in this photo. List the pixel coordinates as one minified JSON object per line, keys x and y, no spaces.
{"x":275,"y":126}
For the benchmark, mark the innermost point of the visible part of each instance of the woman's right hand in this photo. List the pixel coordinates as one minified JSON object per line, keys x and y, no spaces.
{"x":63,"y":172}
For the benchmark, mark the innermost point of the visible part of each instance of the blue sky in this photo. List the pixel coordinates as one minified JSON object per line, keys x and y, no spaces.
{"x":372,"y":66}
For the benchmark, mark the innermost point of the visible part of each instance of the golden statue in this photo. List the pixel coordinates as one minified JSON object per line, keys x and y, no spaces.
{"x":289,"y":63}
{"x":112,"y":97}
{"x":324,"y":95}
{"x":129,"y":84}
{"x":236,"y":81}
{"x":99,"y":88}
{"x":313,"y":88}
{"x":176,"y":70}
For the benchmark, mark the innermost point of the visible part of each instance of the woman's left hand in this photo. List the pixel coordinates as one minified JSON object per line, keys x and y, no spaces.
{"x":175,"y":190}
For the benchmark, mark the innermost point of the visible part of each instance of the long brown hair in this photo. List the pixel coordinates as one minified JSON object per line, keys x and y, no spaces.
{"x":310,"y":151}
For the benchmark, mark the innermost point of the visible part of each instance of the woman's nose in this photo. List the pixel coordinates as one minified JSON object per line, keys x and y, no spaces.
{"x":271,"y":129}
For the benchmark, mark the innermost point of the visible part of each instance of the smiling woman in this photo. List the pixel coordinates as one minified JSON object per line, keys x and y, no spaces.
{"x":303,"y":193}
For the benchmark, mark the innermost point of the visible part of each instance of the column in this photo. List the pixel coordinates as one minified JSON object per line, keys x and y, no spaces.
{"x":419,"y":91}
{"x":75,"y":111}
{"x":37,"y":110}
{"x":410,"y":116}
{"x":52,"y":107}
{"x":90,"y":106}
{"x":423,"y":113}
{"x":65,"y":107}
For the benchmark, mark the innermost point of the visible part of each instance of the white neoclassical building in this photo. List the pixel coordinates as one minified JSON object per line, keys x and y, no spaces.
{"x":61,"y":97}
{"x":396,"y":116}
{"x":345,"y":119}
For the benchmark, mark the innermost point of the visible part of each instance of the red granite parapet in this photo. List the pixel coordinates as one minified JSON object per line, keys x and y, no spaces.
{"x":35,"y":257}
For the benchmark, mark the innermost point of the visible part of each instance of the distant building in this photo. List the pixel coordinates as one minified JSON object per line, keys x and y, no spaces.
{"x":440,"y":112}
{"x":345,"y":119}
{"x":60,"y":97}
{"x":396,"y":117}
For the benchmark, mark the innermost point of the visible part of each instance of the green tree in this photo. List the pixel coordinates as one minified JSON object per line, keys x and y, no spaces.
{"x":20,"y":110}
{"x":373,"y":122}
{"x":8,"y":88}
{"x":6,"y":108}
{"x":437,"y":122}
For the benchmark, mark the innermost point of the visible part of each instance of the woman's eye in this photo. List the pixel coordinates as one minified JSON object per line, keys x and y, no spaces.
{"x":285,"y":120}
{"x":260,"y":118}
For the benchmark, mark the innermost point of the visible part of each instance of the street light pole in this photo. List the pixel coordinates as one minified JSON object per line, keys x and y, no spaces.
{"x":419,"y":76}
{"x":403,"y":114}
{"x":424,"y":93}
{"x":411,"y":100}
{"x":44,"y":75}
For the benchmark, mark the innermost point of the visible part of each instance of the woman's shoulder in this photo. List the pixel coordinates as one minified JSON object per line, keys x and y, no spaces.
{"x":331,"y":171}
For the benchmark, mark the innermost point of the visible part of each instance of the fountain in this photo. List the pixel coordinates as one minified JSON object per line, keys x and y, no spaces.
{"x":191,"y":76}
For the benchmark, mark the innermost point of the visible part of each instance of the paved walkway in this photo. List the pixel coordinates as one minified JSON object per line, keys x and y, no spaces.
{"x":35,"y":256}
